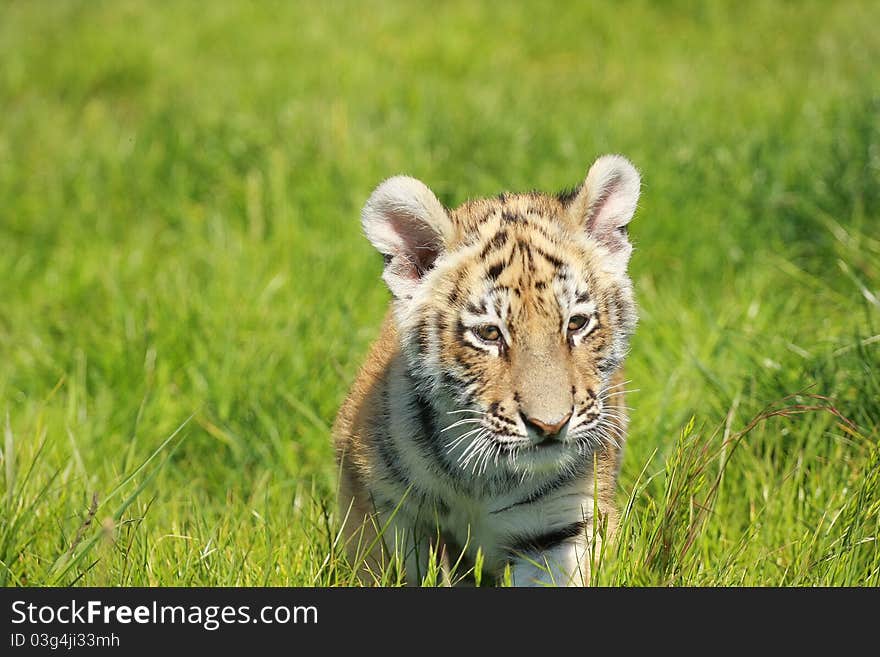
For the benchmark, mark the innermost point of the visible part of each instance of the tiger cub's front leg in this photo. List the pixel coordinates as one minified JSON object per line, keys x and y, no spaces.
{"x":565,"y":556}
{"x":564,"y":563}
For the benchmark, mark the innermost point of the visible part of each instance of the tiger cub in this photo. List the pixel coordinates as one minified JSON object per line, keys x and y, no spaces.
{"x":489,"y":415}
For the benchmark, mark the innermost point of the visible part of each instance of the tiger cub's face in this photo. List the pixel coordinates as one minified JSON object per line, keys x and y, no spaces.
{"x":513,"y":313}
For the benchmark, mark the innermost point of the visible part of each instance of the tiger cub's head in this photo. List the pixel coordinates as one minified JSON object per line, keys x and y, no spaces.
{"x":513,"y":312}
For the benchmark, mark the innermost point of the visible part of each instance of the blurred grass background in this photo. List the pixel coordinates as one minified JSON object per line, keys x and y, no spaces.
{"x":180,"y":186}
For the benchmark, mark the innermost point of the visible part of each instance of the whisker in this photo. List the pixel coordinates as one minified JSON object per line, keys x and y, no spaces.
{"x":455,"y":442}
{"x":472,"y":458}
{"x":467,"y":420}
{"x":471,"y":449}
{"x":493,"y":455}
{"x":606,"y":423}
{"x":486,"y":453}
{"x":606,"y":428}
{"x":608,"y":395}
{"x":606,"y":438}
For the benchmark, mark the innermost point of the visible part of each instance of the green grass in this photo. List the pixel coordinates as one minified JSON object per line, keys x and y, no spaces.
{"x":185,"y":295}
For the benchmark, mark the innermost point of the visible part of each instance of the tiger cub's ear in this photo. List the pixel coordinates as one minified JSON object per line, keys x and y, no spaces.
{"x":408,"y":225}
{"x":605,"y":204}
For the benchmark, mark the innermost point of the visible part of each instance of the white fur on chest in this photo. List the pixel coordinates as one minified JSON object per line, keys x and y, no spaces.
{"x":493,"y":525}
{"x":467,"y":512}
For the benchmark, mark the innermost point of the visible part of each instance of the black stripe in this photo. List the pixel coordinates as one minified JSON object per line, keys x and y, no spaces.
{"x":460,"y":330}
{"x":553,"y":260}
{"x":566,"y":196}
{"x":428,"y":438}
{"x":457,"y":386}
{"x":505,"y":421}
{"x":496,"y":269}
{"x":551,"y":486}
{"x":422,"y":336}
{"x":385,"y":447}
{"x":547,"y":540}
{"x":542,"y":230}
{"x":497,"y":241}
{"x":475,"y":309}
{"x":395,"y":472}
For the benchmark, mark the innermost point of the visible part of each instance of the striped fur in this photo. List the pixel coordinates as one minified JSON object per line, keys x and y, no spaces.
{"x":490,"y":411}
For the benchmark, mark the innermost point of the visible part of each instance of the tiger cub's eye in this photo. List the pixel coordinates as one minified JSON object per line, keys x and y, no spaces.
{"x":488,"y":332}
{"x":577,"y":322}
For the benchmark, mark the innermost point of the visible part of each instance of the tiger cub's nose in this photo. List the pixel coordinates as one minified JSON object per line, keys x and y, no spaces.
{"x":546,"y":429}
